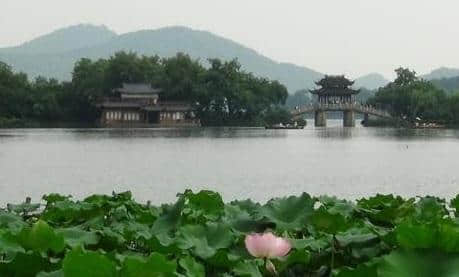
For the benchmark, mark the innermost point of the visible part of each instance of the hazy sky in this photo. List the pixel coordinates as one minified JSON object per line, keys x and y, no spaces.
{"x":354,"y":37}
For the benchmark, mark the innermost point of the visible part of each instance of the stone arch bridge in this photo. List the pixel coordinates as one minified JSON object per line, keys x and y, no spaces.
{"x":349,"y":109}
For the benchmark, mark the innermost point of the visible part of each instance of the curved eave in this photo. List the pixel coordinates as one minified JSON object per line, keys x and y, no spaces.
{"x":334,"y":93}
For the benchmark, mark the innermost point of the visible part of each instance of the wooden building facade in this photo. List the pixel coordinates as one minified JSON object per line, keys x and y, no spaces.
{"x":139,"y":105}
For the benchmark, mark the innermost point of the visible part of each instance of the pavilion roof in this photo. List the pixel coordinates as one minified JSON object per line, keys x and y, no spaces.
{"x":335,"y":91}
{"x":137,"y":88}
{"x":334,"y":85}
{"x":334,"y":81}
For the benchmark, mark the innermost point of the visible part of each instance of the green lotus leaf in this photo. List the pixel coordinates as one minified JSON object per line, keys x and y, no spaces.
{"x":205,"y":240}
{"x":419,"y":264}
{"x":67,"y":212}
{"x":336,"y":206}
{"x":448,"y":236}
{"x":110,"y":240}
{"x":290,"y":213}
{"x":74,"y":237}
{"x":357,"y":237}
{"x":134,"y":231}
{"x":369,"y":269}
{"x":413,"y":235}
{"x":241,"y":221}
{"x":454,"y":203}
{"x":41,"y":237}
{"x":24,"y":265}
{"x":52,"y":198}
{"x":191,"y":267}
{"x":248,"y":268}
{"x":154,"y":266}
{"x":324,"y":221}
{"x":386,"y":209}
{"x":312,"y":244}
{"x":9,"y":245}
{"x":170,"y":219}
{"x":295,"y":257}
{"x":430,"y":209}
{"x":57,"y":273}
{"x":205,"y":204}
{"x":79,"y":262}
{"x":247,"y":205}
{"x":12,"y":222}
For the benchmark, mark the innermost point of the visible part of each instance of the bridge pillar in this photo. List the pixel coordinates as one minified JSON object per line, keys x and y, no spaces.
{"x":348,"y":118}
{"x":320,"y":118}
{"x":366,"y":117}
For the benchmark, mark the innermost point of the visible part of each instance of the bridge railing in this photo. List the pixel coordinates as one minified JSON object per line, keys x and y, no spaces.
{"x":340,"y":107}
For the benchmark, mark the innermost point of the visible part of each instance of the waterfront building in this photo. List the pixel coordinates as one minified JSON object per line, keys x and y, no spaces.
{"x":139,"y":105}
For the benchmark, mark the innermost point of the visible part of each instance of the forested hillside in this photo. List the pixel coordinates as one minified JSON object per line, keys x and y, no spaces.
{"x":54,"y":55}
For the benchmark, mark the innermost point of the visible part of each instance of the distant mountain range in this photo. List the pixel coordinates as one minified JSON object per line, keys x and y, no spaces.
{"x":442,"y":73}
{"x":54,"y":54}
{"x":371,"y":81}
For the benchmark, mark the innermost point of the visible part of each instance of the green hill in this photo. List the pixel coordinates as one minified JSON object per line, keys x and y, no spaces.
{"x":64,"y":40}
{"x":371,"y":81}
{"x":450,"y":85}
{"x":441,"y":73}
{"x":54,"y":55}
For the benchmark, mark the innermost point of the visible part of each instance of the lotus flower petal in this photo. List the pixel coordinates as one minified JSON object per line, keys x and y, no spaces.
{"x":266,"y":245}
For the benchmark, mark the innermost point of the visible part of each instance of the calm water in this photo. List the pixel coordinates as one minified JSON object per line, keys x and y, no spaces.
{"x":155,"y":164}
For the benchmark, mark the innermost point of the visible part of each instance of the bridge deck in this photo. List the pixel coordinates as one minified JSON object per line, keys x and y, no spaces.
{"x":359,"y":108}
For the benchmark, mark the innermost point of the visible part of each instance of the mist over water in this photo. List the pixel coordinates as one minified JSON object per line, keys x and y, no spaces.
{"x":156,"y":164}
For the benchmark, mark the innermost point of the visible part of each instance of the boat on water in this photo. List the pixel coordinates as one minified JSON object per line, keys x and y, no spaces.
{"x":429,"y":126}
{"x":285,"y":127}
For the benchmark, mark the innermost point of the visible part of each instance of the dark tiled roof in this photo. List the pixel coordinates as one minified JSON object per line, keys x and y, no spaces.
{"x":334,"y":91}
{"x":334,"y":81}
{"x":120,"y":105}
{"x":336,"y":85}
{"x":138,"y":88}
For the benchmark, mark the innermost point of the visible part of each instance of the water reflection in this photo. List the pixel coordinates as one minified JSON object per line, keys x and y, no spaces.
{"x":336,"y":132}
{"x":255,"y":163}
{"x":223,"y":132}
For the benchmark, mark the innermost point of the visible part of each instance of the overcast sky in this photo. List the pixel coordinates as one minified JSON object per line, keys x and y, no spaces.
{"x":354,"y":37}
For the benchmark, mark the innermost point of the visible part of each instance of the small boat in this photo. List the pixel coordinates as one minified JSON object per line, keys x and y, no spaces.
{"x":428,"y":126}
{"x":284,"y":127}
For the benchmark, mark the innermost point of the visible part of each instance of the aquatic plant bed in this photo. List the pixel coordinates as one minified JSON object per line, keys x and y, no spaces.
{"x":200,"y":235}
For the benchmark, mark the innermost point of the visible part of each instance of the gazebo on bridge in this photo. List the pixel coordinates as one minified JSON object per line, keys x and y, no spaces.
{"x":334,"y":90}
{"x":335,"y":93}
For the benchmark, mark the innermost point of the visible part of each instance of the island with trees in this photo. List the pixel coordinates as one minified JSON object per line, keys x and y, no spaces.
{"x":220,"y":93}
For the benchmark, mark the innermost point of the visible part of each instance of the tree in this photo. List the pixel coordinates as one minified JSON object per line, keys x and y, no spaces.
{"x":299,"y":98}
{"x":412,"y":98}
{"x":222,"y":94}
{"x":180,"y":77}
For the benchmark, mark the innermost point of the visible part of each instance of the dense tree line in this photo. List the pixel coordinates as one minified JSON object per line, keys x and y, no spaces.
{"x":450,"y":85}
{"x":221,"y":94}
{"x":414,"y":99}
{"x":41,"y":100}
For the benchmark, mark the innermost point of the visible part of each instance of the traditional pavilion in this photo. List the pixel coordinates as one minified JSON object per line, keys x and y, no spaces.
{"x":335,"y":91}
{"x":139,"y":105}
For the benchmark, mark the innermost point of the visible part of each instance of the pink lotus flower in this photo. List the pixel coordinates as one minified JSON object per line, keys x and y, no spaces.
{"x":267,"y":245}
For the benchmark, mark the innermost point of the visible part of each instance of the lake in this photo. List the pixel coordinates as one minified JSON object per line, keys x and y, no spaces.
{"x":155,"y":164}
